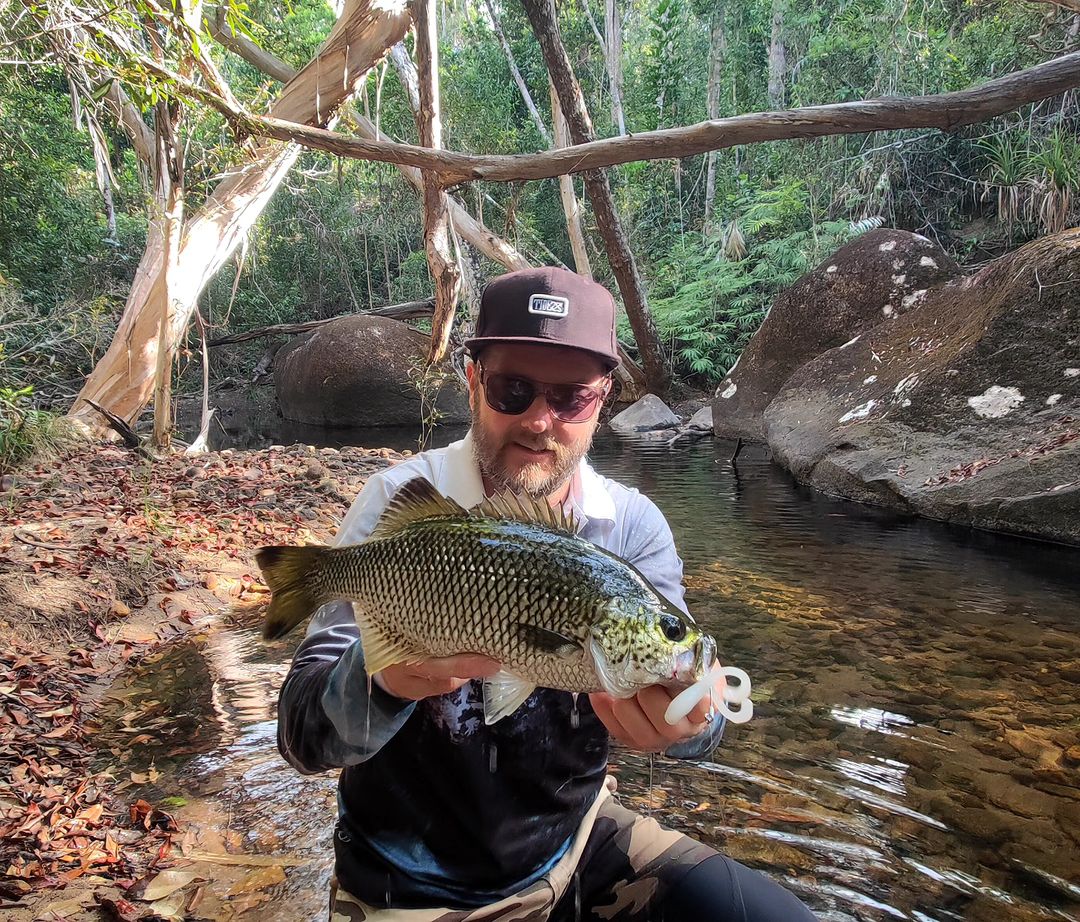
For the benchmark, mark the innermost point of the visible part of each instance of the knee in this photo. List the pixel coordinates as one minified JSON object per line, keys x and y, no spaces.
{"x":722,"y":890}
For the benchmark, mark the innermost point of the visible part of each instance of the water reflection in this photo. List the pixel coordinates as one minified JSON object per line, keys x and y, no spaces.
{"x":916,"y":740}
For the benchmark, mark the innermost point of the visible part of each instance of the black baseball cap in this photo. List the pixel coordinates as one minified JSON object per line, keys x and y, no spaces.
{"x":547,"y":305}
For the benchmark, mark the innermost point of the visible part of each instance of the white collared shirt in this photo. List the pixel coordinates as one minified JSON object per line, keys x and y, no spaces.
{"x":617,"y":518}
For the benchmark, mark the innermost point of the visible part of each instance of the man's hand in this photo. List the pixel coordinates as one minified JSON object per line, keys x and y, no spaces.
{"x":432,"y":677}
{"x":639,"y":723}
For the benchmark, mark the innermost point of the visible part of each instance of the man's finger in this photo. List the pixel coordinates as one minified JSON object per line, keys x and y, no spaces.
{"x":603,"y":707}
{"x":654,"y":704}
{"x":637,"y":722}
{"x":462,"y":666}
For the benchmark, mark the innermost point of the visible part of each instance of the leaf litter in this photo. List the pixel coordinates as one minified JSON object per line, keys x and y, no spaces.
{"x":106,"y":558}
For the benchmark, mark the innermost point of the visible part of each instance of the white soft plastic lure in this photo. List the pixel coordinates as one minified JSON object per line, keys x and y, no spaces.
{"x":737,"y":696}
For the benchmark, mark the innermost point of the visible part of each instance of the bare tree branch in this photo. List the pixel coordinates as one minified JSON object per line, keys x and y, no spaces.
{"x":1073,"y":5}
{"x":516,"y":74}
{"x":441,"y":261}
{"x":566,"y":191}
{"x":245,"y":48}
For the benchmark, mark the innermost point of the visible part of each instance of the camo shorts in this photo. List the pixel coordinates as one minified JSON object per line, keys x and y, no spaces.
{"x":620,"y":864}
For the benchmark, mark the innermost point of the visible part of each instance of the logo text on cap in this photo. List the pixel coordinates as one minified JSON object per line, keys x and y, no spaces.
{"x":549,"y":305}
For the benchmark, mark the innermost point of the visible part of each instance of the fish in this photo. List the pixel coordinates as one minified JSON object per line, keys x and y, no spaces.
{"x":511,"y":579}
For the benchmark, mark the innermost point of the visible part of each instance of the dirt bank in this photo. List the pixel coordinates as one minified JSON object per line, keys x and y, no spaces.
{"x":105,"y":558}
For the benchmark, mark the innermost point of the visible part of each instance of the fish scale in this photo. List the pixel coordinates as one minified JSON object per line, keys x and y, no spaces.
{"x":510,"y":580}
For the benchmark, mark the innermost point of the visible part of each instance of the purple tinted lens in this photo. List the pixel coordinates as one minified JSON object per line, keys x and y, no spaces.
{"x":509,"y":395}
{"x":571,"y":403}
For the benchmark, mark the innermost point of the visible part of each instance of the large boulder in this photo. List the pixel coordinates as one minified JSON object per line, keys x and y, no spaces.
{"x":361,"y":371}
{"x":648,"y":414}
{"x":967,"y":411}
{"x":877,"y":277}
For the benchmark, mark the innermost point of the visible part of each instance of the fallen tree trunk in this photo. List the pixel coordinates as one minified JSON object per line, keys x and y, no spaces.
{"x":945,"y":111}
{"x":409,"y":310}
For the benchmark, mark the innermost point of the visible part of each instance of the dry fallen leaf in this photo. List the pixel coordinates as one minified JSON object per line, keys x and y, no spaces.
{"x":164,"y":884}
{"x":258,"y":880}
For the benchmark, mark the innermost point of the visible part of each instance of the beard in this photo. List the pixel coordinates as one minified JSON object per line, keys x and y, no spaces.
{"x":537,"y":479}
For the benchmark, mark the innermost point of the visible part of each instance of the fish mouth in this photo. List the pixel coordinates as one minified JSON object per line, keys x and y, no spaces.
{"x":692,"y":664}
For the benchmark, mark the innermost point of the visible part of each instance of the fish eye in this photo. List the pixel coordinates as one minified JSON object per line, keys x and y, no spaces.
{"x":672,"y":627}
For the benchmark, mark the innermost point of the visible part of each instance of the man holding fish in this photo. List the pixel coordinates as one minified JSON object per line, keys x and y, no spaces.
{"x":472,"y":593}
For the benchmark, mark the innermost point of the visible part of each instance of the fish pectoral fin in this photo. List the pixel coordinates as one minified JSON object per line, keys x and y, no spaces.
{"x":504,"y":693}
{"x":549,"y":641}
{"x":381,"y":651}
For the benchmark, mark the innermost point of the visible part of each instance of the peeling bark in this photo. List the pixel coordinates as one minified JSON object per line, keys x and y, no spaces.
{"x":122,"y":381}
{"x":441,"y":261}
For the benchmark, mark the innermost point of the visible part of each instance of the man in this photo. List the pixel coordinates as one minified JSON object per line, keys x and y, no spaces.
{"x":442,"y":817}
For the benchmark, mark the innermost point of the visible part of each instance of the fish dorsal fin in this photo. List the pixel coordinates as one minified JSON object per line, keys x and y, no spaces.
{"x":416,"y":500}
{"x":517,"y":508}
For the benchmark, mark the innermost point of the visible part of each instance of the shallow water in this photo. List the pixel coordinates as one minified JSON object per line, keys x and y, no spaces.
{"x":914,"y":752}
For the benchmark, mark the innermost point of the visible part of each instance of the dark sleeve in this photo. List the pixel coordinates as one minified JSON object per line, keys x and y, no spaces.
{"x":329,"y":713}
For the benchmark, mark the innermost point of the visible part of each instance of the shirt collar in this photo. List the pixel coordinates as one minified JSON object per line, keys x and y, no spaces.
{"x":461,"y":481}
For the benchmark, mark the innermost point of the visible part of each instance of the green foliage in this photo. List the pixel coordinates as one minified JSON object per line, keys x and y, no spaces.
{"x":345,"y":235}
{"x":53,"y":236}
{"x":26,"y":433}
{"x":707,"y":306}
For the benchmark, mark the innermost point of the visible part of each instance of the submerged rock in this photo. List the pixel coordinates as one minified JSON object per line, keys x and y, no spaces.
{"x":361,"y":371}
{"x":876,"y":278}
{"x":968,"y":411}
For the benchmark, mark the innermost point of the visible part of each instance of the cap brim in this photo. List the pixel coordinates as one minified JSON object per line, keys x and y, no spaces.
{"x":478,"y":342}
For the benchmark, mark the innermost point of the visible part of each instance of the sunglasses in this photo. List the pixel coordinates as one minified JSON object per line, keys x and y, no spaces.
{"x":512,"y":395}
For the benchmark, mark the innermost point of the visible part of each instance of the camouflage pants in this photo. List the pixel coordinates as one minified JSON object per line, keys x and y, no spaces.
{"x":619,"y":864}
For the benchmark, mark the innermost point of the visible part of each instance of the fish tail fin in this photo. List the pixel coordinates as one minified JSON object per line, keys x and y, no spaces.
{"x":290,"y":573}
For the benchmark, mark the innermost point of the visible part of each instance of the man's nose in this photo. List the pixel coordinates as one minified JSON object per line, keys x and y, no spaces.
{"x":538,"y":417}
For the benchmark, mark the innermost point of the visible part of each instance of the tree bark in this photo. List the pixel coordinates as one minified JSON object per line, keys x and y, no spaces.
{"x":246,"y":48}
{"x":612,"y":67}
{"x":1073,"y":5}
{"x":443,"y":266}
{"x":516,"y":74}
{"x":122,"y":380}
{"x":717,"y":53}
{"x":168,"y":170}
{"x":777,"y":57}
{"x":566,"y":191}
{"x":946,"y":111}
{"x":545,"y":25}
{"x":613,"y":59}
